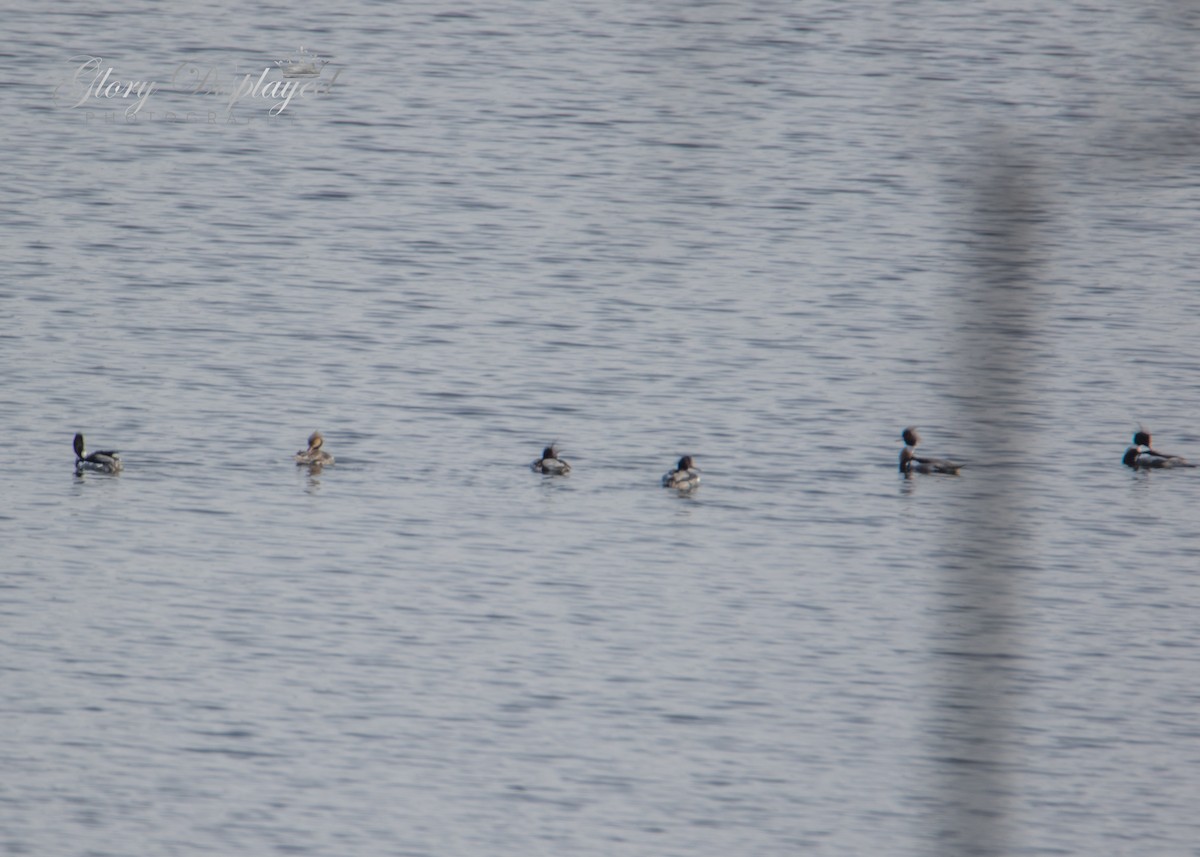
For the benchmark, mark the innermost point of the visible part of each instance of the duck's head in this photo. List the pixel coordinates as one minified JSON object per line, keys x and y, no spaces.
{"x":79,"y":445}
{"x":686,"y":463}
{"x":910,"y":436}
{"x":550,"y":452}
{"x":1141,"y":438}
{"x":315,"y":440}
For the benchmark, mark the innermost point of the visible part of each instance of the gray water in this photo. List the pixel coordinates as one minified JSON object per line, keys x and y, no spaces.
{"x":769,"y":235}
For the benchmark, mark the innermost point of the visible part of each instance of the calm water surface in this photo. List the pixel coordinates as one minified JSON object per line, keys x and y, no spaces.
{"x":769,"y":235}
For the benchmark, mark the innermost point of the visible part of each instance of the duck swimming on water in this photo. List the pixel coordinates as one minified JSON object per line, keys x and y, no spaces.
{"x":910,"y":461}
{"x":550,"y":463}
{"x":1142,"y":456}
{"x":684,"y":477}
{"x":314,"y":456}
{"x":101,"y":461}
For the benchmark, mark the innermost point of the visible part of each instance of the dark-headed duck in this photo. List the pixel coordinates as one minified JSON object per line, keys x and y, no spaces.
{"x":684,"y":477}
{"x":550,"y":463}
{"x":1142,"y":456}
{"x":104,"y":461}
{"x":910,"y":461}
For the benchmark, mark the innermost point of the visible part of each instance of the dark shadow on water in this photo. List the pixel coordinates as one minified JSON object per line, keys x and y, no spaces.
{"x":975,"y":646}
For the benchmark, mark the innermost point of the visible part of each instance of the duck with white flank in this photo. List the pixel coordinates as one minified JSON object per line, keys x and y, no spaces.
{"x":103,"y":461}
{"x":910,"y":461}
{"x":1141,"y":456}
{"x":684,"y":477}
{"x":314,"y":456}
{"x":550,"y":463}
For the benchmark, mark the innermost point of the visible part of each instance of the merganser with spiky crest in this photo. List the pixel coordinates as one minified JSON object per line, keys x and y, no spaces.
{"x":314,"y":456}
{"x":550,"y":463}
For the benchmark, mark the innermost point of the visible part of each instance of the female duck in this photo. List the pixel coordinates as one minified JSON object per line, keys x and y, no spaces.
{"x":314,"y":455}
{"x":550,"y":463}
{"x":684,"y":477}
{"x":106,"y":461}
{"x":1141,"y":456}
{"x":910,"y":461}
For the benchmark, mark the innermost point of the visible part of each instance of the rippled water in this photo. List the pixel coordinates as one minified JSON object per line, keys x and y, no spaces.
{"x":769,"y":235}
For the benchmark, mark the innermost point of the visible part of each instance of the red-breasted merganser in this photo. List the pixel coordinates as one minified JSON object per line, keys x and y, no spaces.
{"x":104,"y":461}
{"x":684,"y":477}
{"x":314,"y":455}
{"x":910,"y":461}
{"x":550,"y":463}
{"x":1141,"y":456}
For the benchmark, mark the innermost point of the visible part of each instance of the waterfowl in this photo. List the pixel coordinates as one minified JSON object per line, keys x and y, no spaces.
{"x":1142,"y":455}
{"x":684,"y":477}
{"x":550,"y":463}
{"x":103,"y":461}
{"x":314,"y":455}
{"x":910,"y":461}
